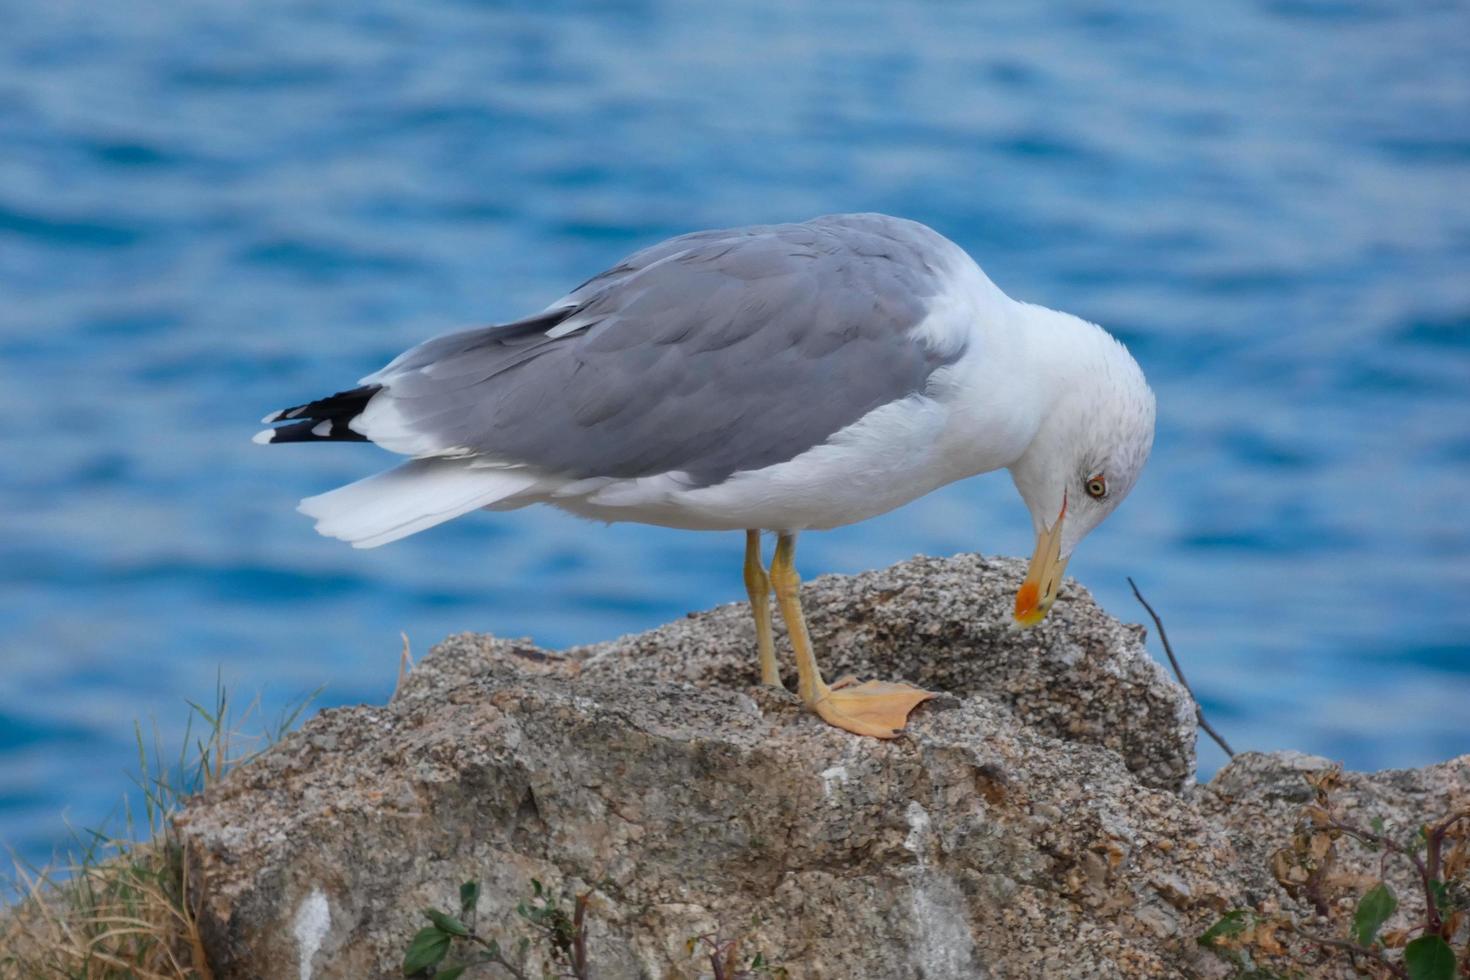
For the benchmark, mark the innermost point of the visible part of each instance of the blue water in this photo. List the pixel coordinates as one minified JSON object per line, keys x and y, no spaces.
{"x":209,"y":210}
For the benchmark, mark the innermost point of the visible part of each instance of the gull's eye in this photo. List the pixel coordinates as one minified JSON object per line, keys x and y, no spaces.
{"x":1097,"y":487}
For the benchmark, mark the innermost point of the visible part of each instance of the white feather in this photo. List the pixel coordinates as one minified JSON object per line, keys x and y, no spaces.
{"x":569,"y":326}
{"x":412,"y":497}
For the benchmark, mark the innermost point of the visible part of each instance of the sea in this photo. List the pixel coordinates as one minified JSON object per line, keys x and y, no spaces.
{"x":210,"y":209}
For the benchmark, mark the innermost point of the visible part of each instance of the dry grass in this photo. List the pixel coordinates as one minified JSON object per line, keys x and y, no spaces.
{"x":119,"y":906}
{"x":127,"y":914}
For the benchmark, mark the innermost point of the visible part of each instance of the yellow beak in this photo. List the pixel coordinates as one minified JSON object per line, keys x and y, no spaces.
{"x":1044,"y":577}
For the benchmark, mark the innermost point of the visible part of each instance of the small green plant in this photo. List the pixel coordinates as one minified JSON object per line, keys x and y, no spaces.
{"x":451,"y":943}
{"x":1264,"y":943}
{"x":565,"y":936}
{"x":725,"y":959}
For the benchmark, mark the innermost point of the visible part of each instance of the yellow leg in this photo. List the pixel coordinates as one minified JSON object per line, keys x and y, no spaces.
{"x":758,"y":586}
{"x":809,"y":685}
{"x":876,"y":708}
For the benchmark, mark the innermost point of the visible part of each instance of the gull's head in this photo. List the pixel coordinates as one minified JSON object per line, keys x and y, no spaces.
{"x":1096,"y":431}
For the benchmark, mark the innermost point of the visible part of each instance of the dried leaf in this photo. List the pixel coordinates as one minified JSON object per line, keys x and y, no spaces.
{"x":1324,"y":781}
{"x":1265,"y":937}
{"x":1396,"y":938}
{"x":1348,"y":881}
{"x":1286,"y":870}
{"x":1457,"y":862}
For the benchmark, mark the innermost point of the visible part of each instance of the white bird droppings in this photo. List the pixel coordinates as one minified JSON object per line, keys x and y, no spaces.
{"x":918,"y":819}
{"x":832,"y":778}
{"x":946,"y":949}
{"x":313,"y":919}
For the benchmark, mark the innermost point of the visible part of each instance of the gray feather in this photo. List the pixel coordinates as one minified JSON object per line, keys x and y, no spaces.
{"x":709,"y":353}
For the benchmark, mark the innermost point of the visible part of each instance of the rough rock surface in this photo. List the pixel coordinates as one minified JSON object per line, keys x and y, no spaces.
{"x":945,"y":624}
{"x":1041,"y":820}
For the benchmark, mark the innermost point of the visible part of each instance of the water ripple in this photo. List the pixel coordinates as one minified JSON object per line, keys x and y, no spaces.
{"x":206,"y":213}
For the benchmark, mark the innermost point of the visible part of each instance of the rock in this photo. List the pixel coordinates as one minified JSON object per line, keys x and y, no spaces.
{"x":1256,"y":791}
{"x":1040,"y":821}
{"x":945,"y":624}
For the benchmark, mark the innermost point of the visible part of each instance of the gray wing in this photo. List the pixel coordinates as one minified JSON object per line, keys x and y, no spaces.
{"x":709,"y":353}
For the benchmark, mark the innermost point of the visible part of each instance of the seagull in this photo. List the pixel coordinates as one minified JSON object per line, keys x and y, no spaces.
{"x":780,"y":378}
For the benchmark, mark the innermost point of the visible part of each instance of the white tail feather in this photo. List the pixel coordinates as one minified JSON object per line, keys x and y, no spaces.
{"x":411,"y":498}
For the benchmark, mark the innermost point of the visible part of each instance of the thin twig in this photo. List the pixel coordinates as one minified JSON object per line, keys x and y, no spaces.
{"x":721,"y":955}
{"x":1199,"y":713}
{"x":1431,"y":907}
{"x":1427,"y":866}
{"x":579,"y":937}
{"x":1353,"y":949}
{"x":1433,"y":850}
{"x":494,"y":955}
{"x":405,"y":665}
{"x":498,"y":958}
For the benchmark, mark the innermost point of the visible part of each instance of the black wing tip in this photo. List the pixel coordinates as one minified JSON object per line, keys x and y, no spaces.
{"x":310,"y":430}
{"x":324,"y":420}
